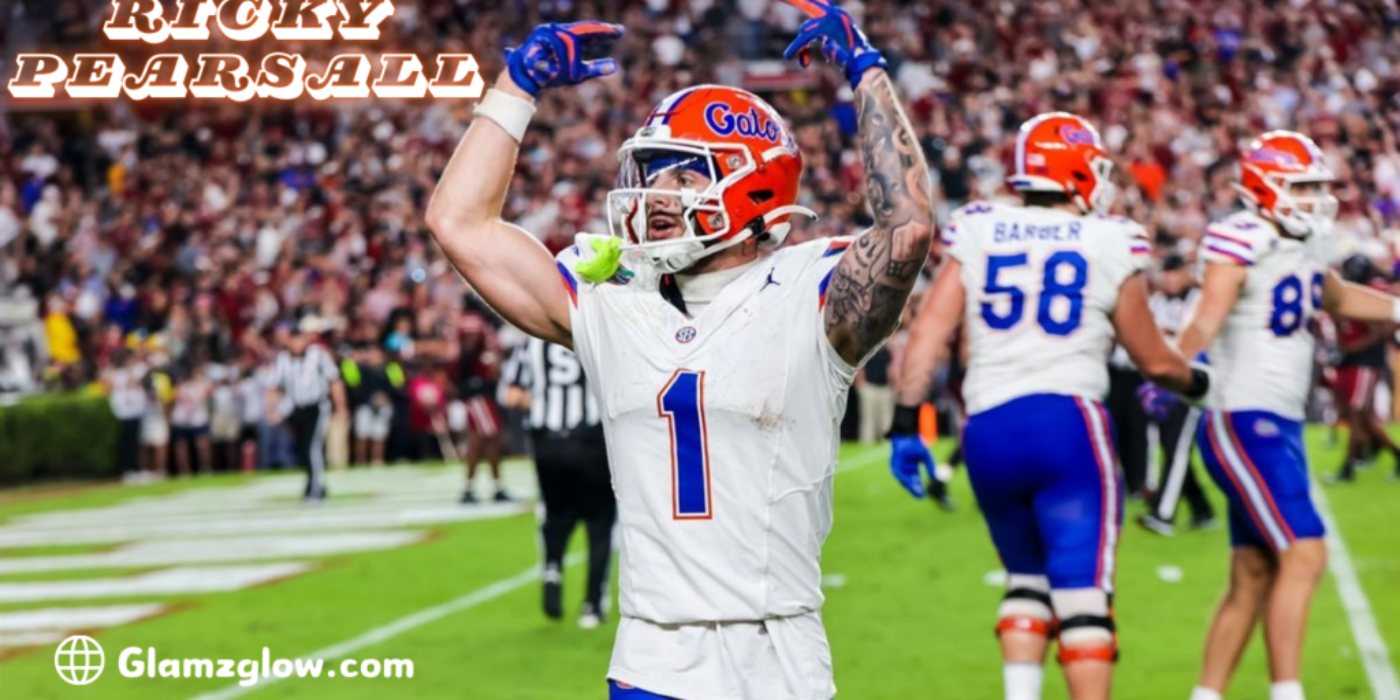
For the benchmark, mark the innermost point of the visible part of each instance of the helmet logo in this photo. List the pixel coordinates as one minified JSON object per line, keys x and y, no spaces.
{"x":1077,"y":135}
{"x":723,"y":121}
{"x":1269,"y":154}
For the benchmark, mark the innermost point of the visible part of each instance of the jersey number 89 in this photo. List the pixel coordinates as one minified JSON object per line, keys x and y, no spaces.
{"x":1289,"y":312}
{"x":1052,"y":287}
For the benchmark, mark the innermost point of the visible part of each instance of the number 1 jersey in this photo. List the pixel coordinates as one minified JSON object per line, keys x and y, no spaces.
{"x":1041,"y":286}
{"x":722,"y":432}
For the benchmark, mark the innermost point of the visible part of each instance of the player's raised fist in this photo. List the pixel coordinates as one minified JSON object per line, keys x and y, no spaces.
{"x":833,"y":34}
{"x":552,"y":55}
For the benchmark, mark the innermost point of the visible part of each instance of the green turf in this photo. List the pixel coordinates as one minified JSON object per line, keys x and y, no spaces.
{"x":911,"y":618}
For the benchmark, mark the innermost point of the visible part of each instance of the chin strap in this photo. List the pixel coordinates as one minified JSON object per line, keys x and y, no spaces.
{"x":777,"y":233}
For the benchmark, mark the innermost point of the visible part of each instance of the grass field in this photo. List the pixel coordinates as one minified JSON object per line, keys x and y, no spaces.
{"x":910,"y":602}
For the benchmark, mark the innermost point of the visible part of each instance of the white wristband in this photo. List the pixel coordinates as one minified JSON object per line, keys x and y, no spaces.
{"x":1395,"y":311}
{"x":508,"y":111}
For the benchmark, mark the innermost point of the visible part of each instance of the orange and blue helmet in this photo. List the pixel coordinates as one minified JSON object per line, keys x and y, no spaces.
{"x":737,"y":141}
{"x":1269,"y":169}
{"x":1060,"y":152}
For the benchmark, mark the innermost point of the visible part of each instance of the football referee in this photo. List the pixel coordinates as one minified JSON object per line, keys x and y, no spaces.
{"x":571,"y":461}
{"x":307,"y":385}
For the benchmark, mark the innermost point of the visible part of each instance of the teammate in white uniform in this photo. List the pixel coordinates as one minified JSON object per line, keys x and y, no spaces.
{"x":1043,"y":289}
{"x":1266,"y":276}
{"x":720,"y":361}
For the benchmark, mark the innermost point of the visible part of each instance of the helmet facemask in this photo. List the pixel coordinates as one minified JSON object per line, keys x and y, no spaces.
{"x":636,"y":199}
{"x":1299,"y":214}
{"x":1100,"y":200}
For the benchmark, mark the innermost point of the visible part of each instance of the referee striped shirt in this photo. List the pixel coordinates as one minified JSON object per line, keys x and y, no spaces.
{"x":559,"y":395}
{"x":305,"y":379}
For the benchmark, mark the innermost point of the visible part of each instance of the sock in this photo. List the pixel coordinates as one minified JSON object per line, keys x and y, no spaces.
{"x":1204,"y":694}
{"x":1023,"y":680}
{"x":1286,"y":690}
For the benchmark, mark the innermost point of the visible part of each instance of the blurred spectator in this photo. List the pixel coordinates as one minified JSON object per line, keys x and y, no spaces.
{"x":478,"y":373}
{"x":427,"y":397}
{"x":370,"y":396}
{"x":876,"y":397}
{"x":190,"y":418}
{"x":210,"y":223}
{"x":125,"y":384}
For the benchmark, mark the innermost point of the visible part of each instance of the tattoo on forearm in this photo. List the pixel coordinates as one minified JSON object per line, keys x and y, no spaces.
{"x":873,"y":279}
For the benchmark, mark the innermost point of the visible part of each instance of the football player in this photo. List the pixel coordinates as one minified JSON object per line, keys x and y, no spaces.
{"x":721,"y":360}
{"x":1362,"y":348}
{"x":1044,"y":289}
{"x":1265,"y":277}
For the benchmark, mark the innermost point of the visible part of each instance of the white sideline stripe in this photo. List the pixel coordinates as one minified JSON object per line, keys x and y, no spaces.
{"x":215,"y":551}
{"x":214,"y":579}
{"x":470,"y":600}
{"x":1375,"y":657}
{"x":399,"y":626}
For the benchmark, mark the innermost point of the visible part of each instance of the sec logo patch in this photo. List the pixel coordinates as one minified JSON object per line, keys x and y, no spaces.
{"x":685,"y":335}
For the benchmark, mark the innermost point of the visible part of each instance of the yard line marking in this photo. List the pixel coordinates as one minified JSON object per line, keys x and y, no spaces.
{"x":1375,"y":657}
{"x":177,"y":581}
{"x":470,"y":600}
{"x":216,"y":551}
{"x":401,"y":625}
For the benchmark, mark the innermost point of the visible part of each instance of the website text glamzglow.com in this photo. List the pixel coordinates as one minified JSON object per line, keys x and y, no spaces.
{"x":136,"y":662}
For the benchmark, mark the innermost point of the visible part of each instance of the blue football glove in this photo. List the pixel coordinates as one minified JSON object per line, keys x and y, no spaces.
{"x":1157,"y":402}
{"x":552,"y":55}
{"x":910,"y":452}
{"x":832,"y":33}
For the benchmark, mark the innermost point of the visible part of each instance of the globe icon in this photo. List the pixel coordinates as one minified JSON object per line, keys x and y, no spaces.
{"x":79,"y":660}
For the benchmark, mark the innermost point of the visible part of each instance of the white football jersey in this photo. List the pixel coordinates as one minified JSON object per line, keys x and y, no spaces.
{"x":722,"y":433}
{"x":1041,"y":286}
{"x":1262,"y":359}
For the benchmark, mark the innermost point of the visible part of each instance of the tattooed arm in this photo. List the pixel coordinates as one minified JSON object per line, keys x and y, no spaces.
{"x":872,"y":281}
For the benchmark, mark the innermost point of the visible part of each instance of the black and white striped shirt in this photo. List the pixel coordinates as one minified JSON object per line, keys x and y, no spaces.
{"x":1173,"y":312}
{"x":559,"y":396}
{"x":305,"y":379}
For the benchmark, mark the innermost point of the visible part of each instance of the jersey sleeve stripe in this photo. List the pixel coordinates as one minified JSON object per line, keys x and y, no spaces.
{"x":836,"y":248}
{"x":570,"y":284}
{"x":821,"y":289}
{"x":1213,"y":234}
{"x":1232,"y":255}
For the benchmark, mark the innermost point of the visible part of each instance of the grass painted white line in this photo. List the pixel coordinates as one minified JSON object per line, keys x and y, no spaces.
{"x":60,"y":619}
{"x":32,"y":639}
{"x":308,"y":519}
{"x":1375,"y":657}
{"x":37,"y":627}
{"x":470,"y":600}
{"x":213,"y":579}
{"x":399,"y":626}
{"x":216,"y":551}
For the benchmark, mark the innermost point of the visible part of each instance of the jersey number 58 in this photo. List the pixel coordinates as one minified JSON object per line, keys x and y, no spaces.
{"x":1064,"y":276}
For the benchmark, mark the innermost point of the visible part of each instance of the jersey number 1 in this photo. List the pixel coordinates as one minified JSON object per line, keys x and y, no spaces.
{"x":682,"y":403}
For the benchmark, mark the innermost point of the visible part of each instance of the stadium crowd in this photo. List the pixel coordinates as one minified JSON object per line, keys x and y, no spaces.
{"x":194,"y":238}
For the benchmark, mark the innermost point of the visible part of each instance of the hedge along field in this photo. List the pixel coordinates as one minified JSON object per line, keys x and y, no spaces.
{"x":63,"y":436}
